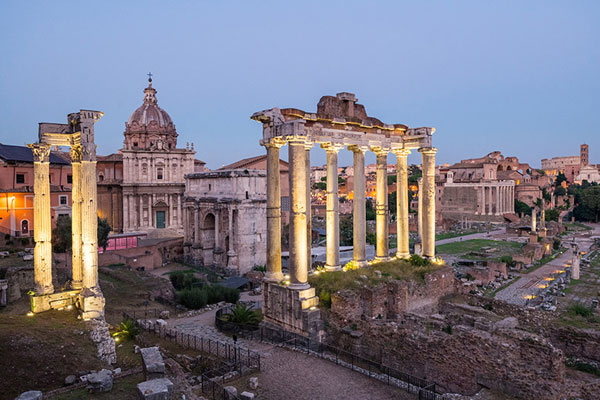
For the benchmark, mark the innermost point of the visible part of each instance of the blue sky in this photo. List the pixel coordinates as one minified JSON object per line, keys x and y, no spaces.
{"x":521,"y":77}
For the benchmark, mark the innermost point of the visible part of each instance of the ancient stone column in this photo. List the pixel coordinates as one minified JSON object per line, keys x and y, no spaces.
{"x":196,"y":226}
{"x":217,"y":228}
{"x":543,"y":222}
{"x":273,"y":212}
{"x":428,"y":155}
{"x":533,"y":220}
{"x":381,"y":205}
{"x":403,"y":249}
{"x":42,"y":220}
{"x":231,"y":254}
{"x":497,"y":199}
{"x":77,"y":281}
{"x":420,"y":209}
{"x":332,"y":209}
{"x":308,"y":146}
{"x":89,"y":218}
{"x":490,"y":201}
{"x":359,"y":204}
{"x":575,"y":265}
{"x":298,"y":223}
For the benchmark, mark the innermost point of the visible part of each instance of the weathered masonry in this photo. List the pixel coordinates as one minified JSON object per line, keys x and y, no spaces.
{"x":78,"y":134}
{"x":339,"y":122}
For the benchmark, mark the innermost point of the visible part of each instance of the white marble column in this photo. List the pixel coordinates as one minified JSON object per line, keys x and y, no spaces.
{"x":42,"y":219}
{"x":359,"y":203}
{"x":332,"y":208}
{"x":381,"y":206}
{"x":179,"y":216}
{"x":497,"y":186}
{"x":77,"y":267}
{"x":403,"y":248}
{"x":273,"y":212}
{"x":89,"y":221}
{"x":307,"y":147}
{"x":420,"y":210}
{"x":231,"y":254}
{"x":428,"y":156}
{"x":298,"y":222}
{"x":490,"y":200}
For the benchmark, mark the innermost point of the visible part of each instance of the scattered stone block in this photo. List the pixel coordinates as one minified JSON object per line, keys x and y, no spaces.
{"x":155,"y":389}
{"x":70,"y":380}
{"x":154,"y":365}
{"x":231,"y":392}
{"x":31,"y":395}
{"x":507,"y":323}
{"x":165,"y":314}
{"x":116,"y":371}
{"x":28,"y":257}
{"x":161,"y":322}
{"x":247,"y":396}
{"x":101,"y":381}
{"x":253,"y":382}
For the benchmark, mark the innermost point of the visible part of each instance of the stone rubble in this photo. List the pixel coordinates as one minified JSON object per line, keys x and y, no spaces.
{"x":253,"y":383}
{"x":31,"y":395}
{"x":247,"y":396}
{"x":100,"y":335}
{"x":154,"y":365}
{"x":155,"y":389}
{"x":101,"y":381}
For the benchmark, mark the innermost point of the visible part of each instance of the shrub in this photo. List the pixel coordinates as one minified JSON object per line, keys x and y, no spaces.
{"x":581,"y":309}
{"x":418,"y":261}
{"x":260,"y":268}
{"x":194,"y":298}
{"x":243,"y":315}
{"x":325,"y":298}
{"x":556,"y":244}
{"x":24,"y":241}
{"x":183,"y":280}
{"x":127,"y":330}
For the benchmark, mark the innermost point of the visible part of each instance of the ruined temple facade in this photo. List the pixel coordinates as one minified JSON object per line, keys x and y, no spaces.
{"x":153,"y":169}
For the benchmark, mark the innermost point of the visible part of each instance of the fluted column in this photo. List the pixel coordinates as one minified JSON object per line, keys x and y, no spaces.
{"x":42,"y":220}
{"x":403,"y":249}
{"x":359,"y":204}
{"x":273,"y":273}
{"x":77,"y":267}
{"x":428,"y":155}
{"x":420,"y":209}
{"x":89,"y":218}
{"x":381,"y":205}
{"x":307,"y":148}
{"x":332,"y":211}
{"x":497,"y":199}
{"x":298,"y":222}
{"x":490,"y":201}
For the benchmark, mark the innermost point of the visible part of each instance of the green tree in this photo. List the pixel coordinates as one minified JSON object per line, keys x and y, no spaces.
{"x":588,"y":204}
{"x":552,"y":215}
{"x":392,"y":203}
{"x":391,"y":179}
{"x":103,"y":231}
{"x":370,"y":210}
{"x":546,"y":195}
{"x":560,"y":191}
{"x":522,"y":208}
{"x":62,"y":238}
{"x":560,"y":178}
{"x":346,"y":237}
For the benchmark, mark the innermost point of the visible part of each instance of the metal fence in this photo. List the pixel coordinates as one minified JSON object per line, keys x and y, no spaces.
{"x":243,"y":360}
{"x":373,"y":369}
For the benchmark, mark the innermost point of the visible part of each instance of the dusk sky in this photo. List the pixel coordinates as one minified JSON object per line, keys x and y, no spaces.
{"x":521,"y":77}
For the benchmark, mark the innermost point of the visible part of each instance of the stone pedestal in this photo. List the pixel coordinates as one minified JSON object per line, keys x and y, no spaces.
{"x":292,"y":310}
{"x":533,"y":237}
{"x":53,"y":301}
{"x":575,"y":267}
{"x":3,"y":287}
{"x":91,"y":303}
{"x":543,"y":232}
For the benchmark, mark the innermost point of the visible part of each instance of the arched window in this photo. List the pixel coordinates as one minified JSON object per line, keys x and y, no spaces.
{"x":24,"y":227}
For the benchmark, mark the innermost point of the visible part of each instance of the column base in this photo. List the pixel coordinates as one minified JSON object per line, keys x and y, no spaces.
{"x":330,"y":268}
{"x":91,"y":303}
{"x":44,"y":290}
{"x":76,"y":285}
{"x":402,"y":255}
{"x":382,"y":259}
{"x":273,"y":277}
{"x":52,"y":301}
{"x":292,"y":310}
{"x":299,"y":286}
{"x":360,"y":264}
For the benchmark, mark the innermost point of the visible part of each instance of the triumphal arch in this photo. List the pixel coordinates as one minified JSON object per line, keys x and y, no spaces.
{"x":84,"y":293}
{"x":338,"y":123}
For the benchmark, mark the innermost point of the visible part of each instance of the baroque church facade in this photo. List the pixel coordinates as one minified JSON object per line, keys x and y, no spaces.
{"x":153,"y":169}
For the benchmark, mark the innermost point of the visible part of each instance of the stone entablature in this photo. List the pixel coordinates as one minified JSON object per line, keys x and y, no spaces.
{"x":225,"y":217}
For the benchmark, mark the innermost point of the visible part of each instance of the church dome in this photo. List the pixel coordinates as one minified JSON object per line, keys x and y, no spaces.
{"x":150,"y":111}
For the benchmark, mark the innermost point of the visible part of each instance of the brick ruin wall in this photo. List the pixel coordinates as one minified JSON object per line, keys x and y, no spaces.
{"x":458,"y":343}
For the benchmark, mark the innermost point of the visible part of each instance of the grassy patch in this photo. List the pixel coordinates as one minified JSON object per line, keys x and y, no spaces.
{"x":545,"y":260}
{"x":450,"y":235}
{"x":576,"y":226}
{"x":123,"y":389}
{"x":503,"y":248}
{"x":333,"y":281}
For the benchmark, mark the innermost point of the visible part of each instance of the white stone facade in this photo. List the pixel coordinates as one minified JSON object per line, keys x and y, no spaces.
{"x":153,"y":170}
{"x":225,"y":215}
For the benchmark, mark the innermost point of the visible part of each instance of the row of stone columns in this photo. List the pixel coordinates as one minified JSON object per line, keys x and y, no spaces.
{"x":300,"y":233}
{"x":491,"y":194}
{"x":83,"y":216}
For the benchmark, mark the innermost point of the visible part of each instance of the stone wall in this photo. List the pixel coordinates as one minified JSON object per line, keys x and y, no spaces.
{"x":390,"y":299}
{"x":150,"y":256}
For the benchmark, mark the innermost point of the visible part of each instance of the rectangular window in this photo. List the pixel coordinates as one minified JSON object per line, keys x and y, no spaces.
{"x":62,"y":200}
{"x":70,"y":179}
{"x":20,"y":178}
{"x":159,"y":173}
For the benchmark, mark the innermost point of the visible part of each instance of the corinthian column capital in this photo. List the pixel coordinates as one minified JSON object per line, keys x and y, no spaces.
{"x":428,"y":150}
{"x":76,"y":153}
{"x":358,"y":149}
{"x":41,"y":152}
{"x":380,"y":151}
{"x":401,"y":152}
{"x":332,"y":147}
{"x":276,"y":142}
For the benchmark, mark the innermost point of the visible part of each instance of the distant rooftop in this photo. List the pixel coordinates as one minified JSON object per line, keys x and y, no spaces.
{"x":10,"y":153}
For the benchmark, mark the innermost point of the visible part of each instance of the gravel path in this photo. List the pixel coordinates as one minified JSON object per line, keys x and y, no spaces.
{"x":287,"y":374}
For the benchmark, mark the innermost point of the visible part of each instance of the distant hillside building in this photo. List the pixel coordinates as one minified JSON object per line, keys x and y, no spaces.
{"x":569,"y":165}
